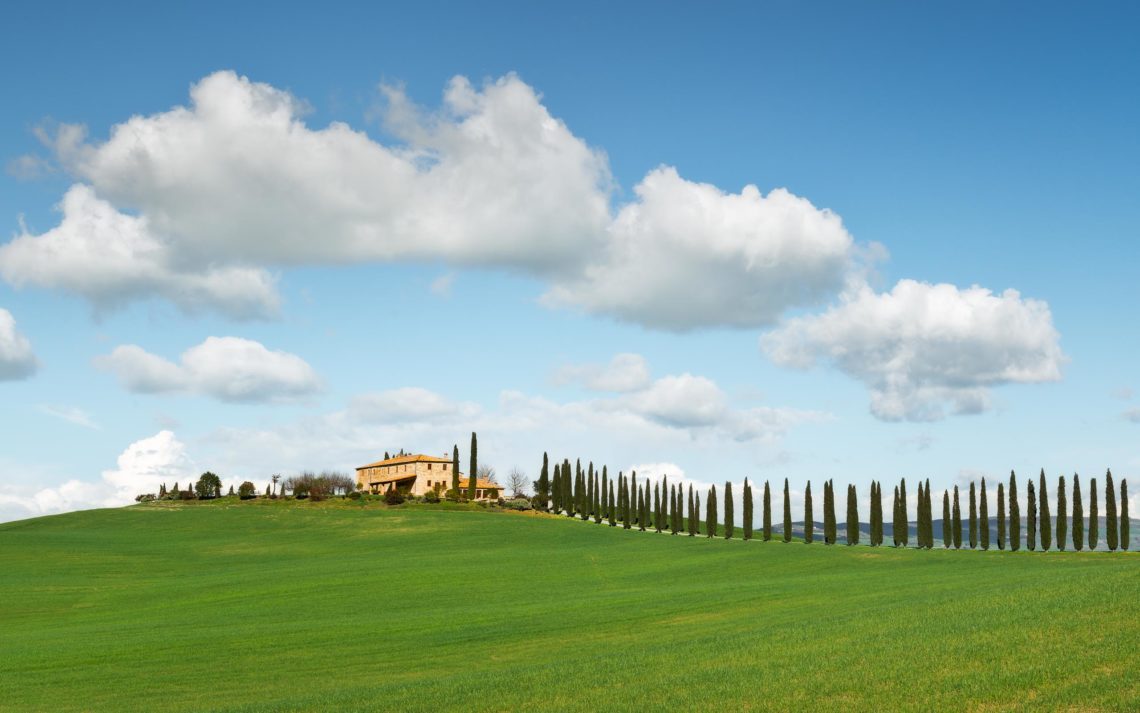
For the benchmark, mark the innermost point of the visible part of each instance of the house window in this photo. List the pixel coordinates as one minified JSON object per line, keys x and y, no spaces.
{"x":429,"y":466}
{"x":429,"y":483}
{"x":445,"y":466}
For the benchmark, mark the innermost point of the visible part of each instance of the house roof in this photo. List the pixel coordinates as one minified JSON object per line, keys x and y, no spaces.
{"x":479,"y":484}
{"x":399,"y":460}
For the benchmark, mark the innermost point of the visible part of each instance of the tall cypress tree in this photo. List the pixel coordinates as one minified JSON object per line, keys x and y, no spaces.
{"x":556,"y":489}
{"x":929,"y":517}
{"x":1125,"y":525}
{"x":656,"y":507}
{"x":589,"y":509}
{"x":896,"y":520}
{"x":454,"y":469}
{"x":852,"y":517}
{"x":787,"y":513}
{"x":567,"y":488}
{"x":827,"y":510}
{"x":626,"y":504}
{"x":607,"y":506}
{"x":876,"y":514}
{"x":947,"y":536}
{"x":1031,"y":517}
{"x":919,"y":520}
{"x":1062,"y":514}
{"x":767,"y":513}
{"x":472,"y":476}
{"x":984,"y":516}
{"x":611,"y":506}
{"x":1046,"y":526}
{"x":973,"y":517}
{"x":641,"y":510}
{"x":664,"y":506}
{"x":747,"y":510}
{"x":542,"y":488}
{"x":599,"y":499}
{"x":1110,"y":512}
{"x":1014,"y":515}
{"x":1078,"y":515}
{"x":904,"y":536}
{"x":1094,"y":517}
{"x":729,"y":525}
{"x":956,"y":521}
{"x":809,"y":517}
{"x":693,"y":517}
{"x":710,"y":512}
{"x":1001,"y":517}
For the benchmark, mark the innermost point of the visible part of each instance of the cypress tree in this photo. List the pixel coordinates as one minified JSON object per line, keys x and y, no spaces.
{"x":679,"y":515}
{"x":1062,"y":517}
{"x":694,"y":513}
{"x":641,"y":510}
{"x":607,"y":506}
{"x":973,"y":517}
{"x":542,"y":496}
{"x":747,"y":510}
{"x":556,"y":489}
{"x":589,"y":509}
{"x":904,"y":536}
{"x":1110,"y":512}
{"x":956,"y":522}
{"x":1094,"y":517}
{"x":896,"y":524}
{"x":984,"y":520}
{"x":829,"y":525}
{"x":947,"y":537}
{"x":626,"y":506}
{"x":768,"y":512}
{"x":454,"y":469}
{"x":1014,"y":515}
{"x":729,"y":524}
{"x":599,"y":500}
{"x":929,"y":518}
{"x":787,"y":513}
{"x":612,"y":509}
{"x":664,"y":506}
{"x":657,"y":508}
{"x":1046,"y":526}
{"x":1001,"y":516}
{"x":472,"y":480}
{"x":809,"y":518}
{"x":852,"y":517}
{"x":1078,"y":515}
{"x":567,"y":489}
{"x":1125,"y":525}
{"x":876,"y":514}
{"x":710,"y":513}
{"x":1031,"y":517}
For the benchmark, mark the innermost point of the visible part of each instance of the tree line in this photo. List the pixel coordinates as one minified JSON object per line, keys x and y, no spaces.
{"x":589,"y":493}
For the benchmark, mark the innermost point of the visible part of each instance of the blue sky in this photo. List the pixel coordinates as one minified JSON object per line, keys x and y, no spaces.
{"x":962,"y":145}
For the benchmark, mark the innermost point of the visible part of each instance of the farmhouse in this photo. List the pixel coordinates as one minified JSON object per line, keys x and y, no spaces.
{"x":416,"y":475}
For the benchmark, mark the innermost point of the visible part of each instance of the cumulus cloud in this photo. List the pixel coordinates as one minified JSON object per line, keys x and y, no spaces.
{"x":227,"y":368}
{"x":409,"y":405}
{"x":920,"y":347}
{"x":193,"y":204}
{"x":111,"y":258}
{"x":687,"y":254}
{"x":16,"y":358}
{"x":141,"y":468}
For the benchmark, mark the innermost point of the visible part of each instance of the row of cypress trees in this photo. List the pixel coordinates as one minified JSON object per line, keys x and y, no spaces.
{"x":588,"y":493}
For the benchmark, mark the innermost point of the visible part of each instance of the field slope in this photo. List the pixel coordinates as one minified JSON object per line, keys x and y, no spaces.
{"x":247,"y":608}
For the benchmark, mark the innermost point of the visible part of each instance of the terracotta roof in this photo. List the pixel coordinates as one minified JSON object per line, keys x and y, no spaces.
{"x":480,"y":484}
{"x":398,"y":460}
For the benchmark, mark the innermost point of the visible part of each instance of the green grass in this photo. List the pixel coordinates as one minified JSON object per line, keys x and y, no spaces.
{"x":339,"y":606}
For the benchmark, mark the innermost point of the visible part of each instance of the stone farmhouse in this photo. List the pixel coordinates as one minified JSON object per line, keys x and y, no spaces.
{"x":416,"y":475}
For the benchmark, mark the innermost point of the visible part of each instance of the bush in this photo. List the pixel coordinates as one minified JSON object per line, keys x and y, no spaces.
{"x":145,"y":497}
{"x":186,"y":495}
{"x":518,"y":504}
{"x":431,"y":497}
{"x":355,"y":495}
{"x":394,"y":497}
{"x":452,"y":495}
{"x":247,"y":491}
{"x":493,"y":494}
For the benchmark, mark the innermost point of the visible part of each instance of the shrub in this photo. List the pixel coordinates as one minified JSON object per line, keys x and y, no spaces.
{"x":247,"y":491}
{"x":355,"y":495}
{"x":452,"y":495}
{"x":394,"y":497}
{"x":493,"y":494}
{"x":185,"y":494}
{"x":518,"y":504}
{"x":431,"y":497}
{"x":145,"y":497}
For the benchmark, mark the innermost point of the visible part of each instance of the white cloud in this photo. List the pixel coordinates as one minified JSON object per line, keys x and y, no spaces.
{"x":1132,"y":415}
{"x":111,"y":258}
{"x":409,"y":405}
{"x":625,"y":372}
{"x":141,"y":468}
{"x":687,"y":255}
{"x":16,"y":358}
{"x":228,"y":368}
{"x":193,"y":204}
{"x":921,"y":347}
{"x":71,"y":414}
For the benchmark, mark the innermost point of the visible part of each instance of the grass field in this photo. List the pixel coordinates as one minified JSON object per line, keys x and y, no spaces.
{"x":335,"y":606}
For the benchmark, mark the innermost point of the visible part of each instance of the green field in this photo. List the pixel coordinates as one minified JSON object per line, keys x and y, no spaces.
{"x":340,"y":606}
